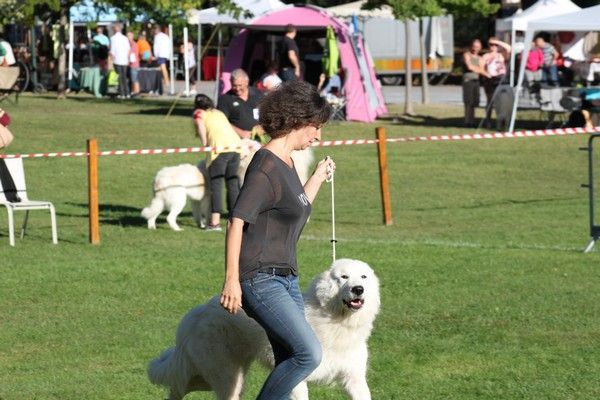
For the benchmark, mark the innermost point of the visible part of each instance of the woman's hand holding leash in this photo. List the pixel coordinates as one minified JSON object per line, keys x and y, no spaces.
{"x":325,"y":169}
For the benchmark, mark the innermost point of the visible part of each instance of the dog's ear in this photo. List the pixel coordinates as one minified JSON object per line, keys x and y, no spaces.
{"x":323,"y":288}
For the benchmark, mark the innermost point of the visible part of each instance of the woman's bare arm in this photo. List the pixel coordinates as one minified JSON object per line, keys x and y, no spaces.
{"x":231,"y":296}
{"x":312,"y":186}
{"x":201,"y":131}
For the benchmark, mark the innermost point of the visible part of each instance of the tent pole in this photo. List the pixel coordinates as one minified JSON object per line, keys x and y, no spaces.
{"x":171,"y":62}
{"x":517,"y":91}
{"x":218,"y":75}
{"x":512,"y":55}
{"x":186,"y":72}
{"x":71,"y":45}
{"x":199,"y":55}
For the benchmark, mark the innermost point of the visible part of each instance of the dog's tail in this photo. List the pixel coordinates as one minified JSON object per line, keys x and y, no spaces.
{"x":154,"y":209}
{"x":170,"y":369}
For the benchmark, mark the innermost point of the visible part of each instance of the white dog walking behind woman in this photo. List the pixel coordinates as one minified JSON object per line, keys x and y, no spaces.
{"x":214,"y":349}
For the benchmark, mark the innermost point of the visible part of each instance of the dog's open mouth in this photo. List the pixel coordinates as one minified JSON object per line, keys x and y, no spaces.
{"x":354,"y":304}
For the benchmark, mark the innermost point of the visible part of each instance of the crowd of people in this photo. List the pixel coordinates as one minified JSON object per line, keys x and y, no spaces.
{"x":126,"y":55}
{"x":545,"y":66}
{"x":488,"y":69}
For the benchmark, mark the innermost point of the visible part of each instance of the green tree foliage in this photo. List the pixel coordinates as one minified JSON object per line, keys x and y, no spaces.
{"x":11,"y":10}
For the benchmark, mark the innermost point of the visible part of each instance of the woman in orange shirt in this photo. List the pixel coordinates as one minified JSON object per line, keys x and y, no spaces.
{"x":144,"y":49}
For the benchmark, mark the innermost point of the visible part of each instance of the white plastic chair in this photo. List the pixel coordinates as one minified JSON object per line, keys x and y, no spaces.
{"x":15,"y":167}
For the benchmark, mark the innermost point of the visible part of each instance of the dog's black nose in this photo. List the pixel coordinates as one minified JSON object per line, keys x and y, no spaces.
{"x":357,"y":290}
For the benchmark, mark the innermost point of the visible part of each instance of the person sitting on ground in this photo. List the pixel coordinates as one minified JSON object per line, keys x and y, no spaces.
{"x":550,"y":68}
{"x":223,"y":161}
{"x":240,"y":104}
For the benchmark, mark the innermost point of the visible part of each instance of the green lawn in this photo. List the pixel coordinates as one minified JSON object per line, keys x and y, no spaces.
{"x":485,"y":291}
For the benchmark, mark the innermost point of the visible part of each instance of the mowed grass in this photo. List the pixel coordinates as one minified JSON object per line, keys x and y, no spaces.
{"x":485,"y":291}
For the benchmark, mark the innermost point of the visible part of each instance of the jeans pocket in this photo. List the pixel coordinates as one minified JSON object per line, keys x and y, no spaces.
{"x":260,"y":277}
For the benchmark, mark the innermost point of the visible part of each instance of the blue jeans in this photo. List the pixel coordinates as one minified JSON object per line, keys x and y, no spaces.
{"x":275,"y":302}
{"x":552,"y":70}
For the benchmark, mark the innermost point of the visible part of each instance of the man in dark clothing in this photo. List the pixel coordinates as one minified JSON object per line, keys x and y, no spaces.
{"x":240,"y":104}
{"x":289,"y":56}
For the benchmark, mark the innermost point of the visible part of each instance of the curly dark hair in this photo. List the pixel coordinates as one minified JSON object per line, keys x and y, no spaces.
{"x":203,"y":102}
{"x":292,"y":105}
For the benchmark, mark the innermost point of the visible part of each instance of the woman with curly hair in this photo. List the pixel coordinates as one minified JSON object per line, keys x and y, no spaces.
{"x":264,"y":227}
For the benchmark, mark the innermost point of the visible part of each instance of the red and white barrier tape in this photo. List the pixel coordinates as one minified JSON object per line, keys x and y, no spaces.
{"x":327,"y":143}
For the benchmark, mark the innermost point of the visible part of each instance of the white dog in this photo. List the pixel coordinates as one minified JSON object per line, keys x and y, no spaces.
{"x":303,"y":160}
{"x":172,"y":186}
{"x":214,"y":349}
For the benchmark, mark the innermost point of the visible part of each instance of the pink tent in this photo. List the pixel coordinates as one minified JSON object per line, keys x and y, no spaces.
{"x":361,"y":88}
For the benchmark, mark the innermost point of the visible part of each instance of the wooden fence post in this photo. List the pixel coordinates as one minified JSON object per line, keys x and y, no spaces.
{"x":383,"y":176}
{"x":92,"y":149}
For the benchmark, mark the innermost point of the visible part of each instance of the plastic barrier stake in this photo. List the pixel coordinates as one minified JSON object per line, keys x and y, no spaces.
{"x":383,"y":176}
{"x":92,"y":150}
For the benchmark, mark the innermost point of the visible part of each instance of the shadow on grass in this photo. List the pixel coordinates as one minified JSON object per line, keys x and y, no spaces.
{"x":457,"y":122}
{"x":498,"y":203}
{"x":131,"y":215}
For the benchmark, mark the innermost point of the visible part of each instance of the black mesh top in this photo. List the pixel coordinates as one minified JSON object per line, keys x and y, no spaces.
{"x":274,"y":207}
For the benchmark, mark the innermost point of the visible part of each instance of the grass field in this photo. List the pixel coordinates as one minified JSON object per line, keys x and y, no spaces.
{"x":485,"y":291}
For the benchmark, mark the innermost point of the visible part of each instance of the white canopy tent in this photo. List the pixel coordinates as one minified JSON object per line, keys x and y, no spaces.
{"x":212,"y":16}
{"x":355,"y":8}
{"x":519,"y":22}
{"x":584,"y":20}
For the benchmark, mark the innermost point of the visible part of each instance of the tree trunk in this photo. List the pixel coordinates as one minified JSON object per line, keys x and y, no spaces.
{"x":408,"y":107}
{"x":424,"y":77}
{"x":62,"y":55}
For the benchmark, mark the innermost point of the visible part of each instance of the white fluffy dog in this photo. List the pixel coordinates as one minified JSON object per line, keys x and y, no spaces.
{"x":303,"y":160}
{"x":214,"y":349}
{"x":173,"y":185}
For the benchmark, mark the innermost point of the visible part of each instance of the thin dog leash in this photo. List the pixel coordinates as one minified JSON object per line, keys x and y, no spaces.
{"x":330,"y":179}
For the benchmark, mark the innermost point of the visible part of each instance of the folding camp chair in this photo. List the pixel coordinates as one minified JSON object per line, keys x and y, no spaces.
{"x":338,"y":108}
{"x":550,"y":104}
{"x":8,"y":83}
{"x":15,"y":167}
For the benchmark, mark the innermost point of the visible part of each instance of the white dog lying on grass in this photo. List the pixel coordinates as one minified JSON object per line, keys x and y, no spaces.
{"x":173,"y":185}
{"x":214,"y":349}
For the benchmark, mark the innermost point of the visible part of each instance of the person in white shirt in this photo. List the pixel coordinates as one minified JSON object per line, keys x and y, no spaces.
{"x":119,"y":54}
{"x":7,"y":57}
{"x":190,"y":58}
{"x":162,"y":52}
